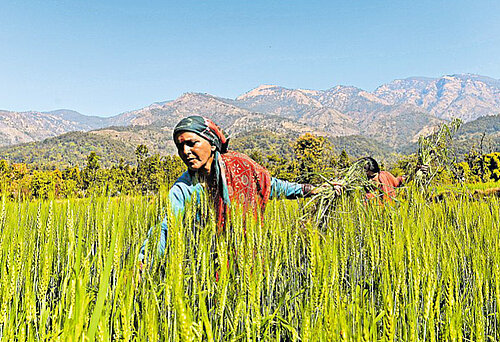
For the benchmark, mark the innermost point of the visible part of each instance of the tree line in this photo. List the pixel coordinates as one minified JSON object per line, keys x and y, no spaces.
{"x":149,"y":175}
{"x":313,"y":158}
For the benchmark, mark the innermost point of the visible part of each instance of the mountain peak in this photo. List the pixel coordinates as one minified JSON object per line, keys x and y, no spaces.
{"x":263,"y":89}
{"x":63,"y":112}
{"x":479,"y":78}
{"x":192,"y":94}
{"x":266,"y":86}
{"x":345,"y":88}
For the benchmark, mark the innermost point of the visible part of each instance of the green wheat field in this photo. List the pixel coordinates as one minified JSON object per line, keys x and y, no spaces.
{"x":413,"y":270}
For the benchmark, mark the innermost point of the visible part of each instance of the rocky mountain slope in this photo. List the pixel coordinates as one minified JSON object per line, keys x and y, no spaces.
{"x":395,"y":114}
{"x":232,"y":118}
{"x":467,"y":97}
{"x":22,"y":127}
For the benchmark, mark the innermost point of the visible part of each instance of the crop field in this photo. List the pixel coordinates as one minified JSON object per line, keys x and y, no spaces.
{"x":413,"y":270}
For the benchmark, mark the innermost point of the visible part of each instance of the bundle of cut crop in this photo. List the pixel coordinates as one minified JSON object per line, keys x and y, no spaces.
{"x":435,"y":153}
{"x":325,"y":199}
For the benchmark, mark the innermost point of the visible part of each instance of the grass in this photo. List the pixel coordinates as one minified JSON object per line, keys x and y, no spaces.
{"x":408,"y":271}
{"x":466,"y":188}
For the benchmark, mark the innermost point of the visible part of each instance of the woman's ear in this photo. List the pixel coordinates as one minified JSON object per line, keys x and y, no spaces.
{"x":213,"y":148}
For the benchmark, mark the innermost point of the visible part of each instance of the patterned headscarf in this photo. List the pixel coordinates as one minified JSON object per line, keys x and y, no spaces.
{"x":208,"y":130}
{"x":205,"y":128}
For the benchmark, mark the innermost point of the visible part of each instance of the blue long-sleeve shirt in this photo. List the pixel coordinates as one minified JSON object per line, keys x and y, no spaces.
{"x":186,"y":187}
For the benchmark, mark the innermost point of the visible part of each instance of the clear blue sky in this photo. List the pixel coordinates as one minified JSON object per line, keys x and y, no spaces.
{"x":106,"y":57}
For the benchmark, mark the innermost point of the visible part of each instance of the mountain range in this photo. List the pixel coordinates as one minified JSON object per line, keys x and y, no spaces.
{"x":393,"y":115}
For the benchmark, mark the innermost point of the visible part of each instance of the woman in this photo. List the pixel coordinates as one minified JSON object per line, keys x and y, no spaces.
{"x":384,"y":181}
{"x":228,"y":177}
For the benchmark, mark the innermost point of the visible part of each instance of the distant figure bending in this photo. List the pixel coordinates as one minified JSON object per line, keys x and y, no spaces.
{"x":384,"y":181}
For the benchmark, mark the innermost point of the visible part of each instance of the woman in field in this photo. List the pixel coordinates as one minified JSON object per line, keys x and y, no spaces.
{"x":384,"y":181}
{"x":227,"y":177}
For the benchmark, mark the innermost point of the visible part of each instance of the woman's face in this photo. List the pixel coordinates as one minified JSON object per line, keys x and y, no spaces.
{"x":195,"y":151}
{"x":371,"y":175}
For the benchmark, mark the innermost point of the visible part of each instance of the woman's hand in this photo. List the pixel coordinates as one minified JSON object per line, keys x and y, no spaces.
{"x":338,"y":187}
{"x":424,"y":168}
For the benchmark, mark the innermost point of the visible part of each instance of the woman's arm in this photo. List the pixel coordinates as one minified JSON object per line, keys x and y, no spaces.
{"x":289,"y":190}
{"x":177,"y":200}
{"x":281,"y":188}
{"x":178,"y":196}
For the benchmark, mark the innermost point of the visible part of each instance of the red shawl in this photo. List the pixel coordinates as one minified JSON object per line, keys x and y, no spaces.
{"x":248,"y":184}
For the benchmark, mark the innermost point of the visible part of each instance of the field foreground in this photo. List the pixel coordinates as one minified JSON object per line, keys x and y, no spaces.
{"x":409,"y":271}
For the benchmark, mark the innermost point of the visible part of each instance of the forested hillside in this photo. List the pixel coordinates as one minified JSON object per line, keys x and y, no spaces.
{"x":115,"y":143}
{"x":70,"y":149}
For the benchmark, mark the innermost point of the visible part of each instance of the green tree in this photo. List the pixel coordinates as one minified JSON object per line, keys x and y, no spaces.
{"x":4,"y":174}
{"x":314,"y":156}
{"x":42,"y":185}
{"x":141,"y":153}
{"x":90,"y":171}
{"x":256,"y":156}
{"x":343,"y":161}
{"x":491,"y":162}
{"x":173,"y":167}
{"x":152,"y":174}
{"x":72,"y":182}
{"x":123,"y":178}
{"x":280,"y":167}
